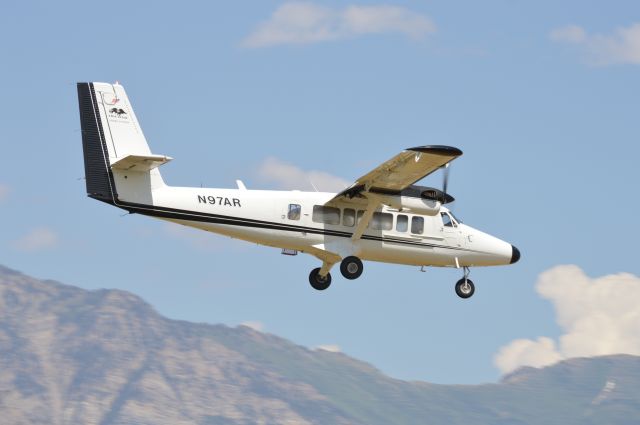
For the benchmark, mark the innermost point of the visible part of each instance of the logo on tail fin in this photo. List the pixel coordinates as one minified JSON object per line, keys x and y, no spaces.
{"x":117,"y":111}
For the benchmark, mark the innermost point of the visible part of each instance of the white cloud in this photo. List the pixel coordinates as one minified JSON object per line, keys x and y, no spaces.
{"x":252,"y":324}
{"x":386,"y":19}
{"x":569,"y":34}
{"x":526,"y":352}
{"x":620,"y":47}
{"x":306,"y":22}
{"x":289,"y":177}
{"x":332,"y":348}
{"x":598,"y":317}
{"x":37,"y":239}
{"x":4,"y":191}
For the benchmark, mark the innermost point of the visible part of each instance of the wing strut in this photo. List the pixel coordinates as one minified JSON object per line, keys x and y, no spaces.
{"x":372,"y":205}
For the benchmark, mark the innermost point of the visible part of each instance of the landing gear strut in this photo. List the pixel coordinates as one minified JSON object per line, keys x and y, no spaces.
{"x":319,"y":282}
{"x":351,"y":267}
{"x":465,"y":287}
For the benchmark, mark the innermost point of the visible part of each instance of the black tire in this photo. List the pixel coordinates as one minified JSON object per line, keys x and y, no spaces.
{"x":351,"y":267}
{"x":317,"y":282}
{"x":465,"y":291}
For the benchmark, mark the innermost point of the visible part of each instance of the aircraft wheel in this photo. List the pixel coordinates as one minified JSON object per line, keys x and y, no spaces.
{"x":465,"y":288}
{"x":318,"y":282}
{"x":351,"y":267}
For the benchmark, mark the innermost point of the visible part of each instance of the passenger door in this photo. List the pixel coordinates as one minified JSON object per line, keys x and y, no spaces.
{"x":450,"y":231}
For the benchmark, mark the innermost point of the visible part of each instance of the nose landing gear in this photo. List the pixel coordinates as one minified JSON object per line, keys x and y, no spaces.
{"x":465,"y":287}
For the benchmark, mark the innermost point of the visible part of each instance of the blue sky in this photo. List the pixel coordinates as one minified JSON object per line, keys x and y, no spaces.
{"x":542,"y":97}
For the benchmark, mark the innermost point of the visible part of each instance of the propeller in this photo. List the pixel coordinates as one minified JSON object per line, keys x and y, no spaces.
{"x":445,"y":178}
{"x":445,"y":183}
{"x":437,"y":194}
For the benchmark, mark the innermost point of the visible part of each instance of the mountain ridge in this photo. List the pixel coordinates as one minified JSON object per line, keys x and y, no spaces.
{"x":70,"y":355}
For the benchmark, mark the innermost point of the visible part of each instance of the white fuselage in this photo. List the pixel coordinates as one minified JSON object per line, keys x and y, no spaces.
{"x":262,"y":216}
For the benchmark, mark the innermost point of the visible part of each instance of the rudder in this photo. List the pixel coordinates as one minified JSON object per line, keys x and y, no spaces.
{"x":98,"y":176}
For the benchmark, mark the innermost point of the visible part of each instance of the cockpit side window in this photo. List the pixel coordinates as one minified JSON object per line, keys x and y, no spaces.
{"x":447,"y":221}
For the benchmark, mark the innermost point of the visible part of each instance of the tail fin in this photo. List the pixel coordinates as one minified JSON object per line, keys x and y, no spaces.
{"x":117,"y":159}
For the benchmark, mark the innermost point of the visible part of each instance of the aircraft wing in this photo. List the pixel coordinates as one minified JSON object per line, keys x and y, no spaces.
{"x":402,"y":170}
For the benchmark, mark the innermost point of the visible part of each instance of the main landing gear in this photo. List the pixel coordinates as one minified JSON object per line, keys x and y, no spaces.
{"x":465,"y":287}
{"x":351,"y":268}
{"x":319,"y":282}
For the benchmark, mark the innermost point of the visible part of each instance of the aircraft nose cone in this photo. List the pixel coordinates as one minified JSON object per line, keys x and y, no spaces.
{"x":515,"y":254}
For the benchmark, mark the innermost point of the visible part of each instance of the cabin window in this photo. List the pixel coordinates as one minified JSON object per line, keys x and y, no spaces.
{"x":402,"y":223}
{"x":417,"y":225}
{"x":294,"y":212}
{"x":326,"y":215}
{"x":382,"y":221}
{"x":359,"y":217}
{"x":446,"y":220}
{"x":349,"y":217}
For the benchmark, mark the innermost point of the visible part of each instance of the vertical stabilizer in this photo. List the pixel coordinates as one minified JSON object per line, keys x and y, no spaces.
{"x":117,"y":159}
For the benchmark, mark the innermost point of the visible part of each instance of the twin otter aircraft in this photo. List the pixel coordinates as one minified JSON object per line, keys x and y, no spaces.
{"x":383,"y":216}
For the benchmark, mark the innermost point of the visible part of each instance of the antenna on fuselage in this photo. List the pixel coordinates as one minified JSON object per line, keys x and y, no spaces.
{"x":313,"y":185}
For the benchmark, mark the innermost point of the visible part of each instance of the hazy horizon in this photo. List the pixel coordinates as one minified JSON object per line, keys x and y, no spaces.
{"x":541,"y":98}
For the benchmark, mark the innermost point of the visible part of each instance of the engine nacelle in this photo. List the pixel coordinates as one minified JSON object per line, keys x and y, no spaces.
{"x":415,"y":205}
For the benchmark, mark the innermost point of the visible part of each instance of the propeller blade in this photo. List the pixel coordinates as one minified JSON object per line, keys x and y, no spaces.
{"x":445,"y":186}
{"x":445,"y":178}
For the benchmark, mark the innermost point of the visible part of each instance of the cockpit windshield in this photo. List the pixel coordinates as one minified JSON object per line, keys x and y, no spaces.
{"x":455,"y":218}
{"x":446,"y":220}
{"x":449,"y":220}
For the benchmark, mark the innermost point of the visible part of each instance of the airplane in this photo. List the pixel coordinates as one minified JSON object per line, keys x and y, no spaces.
{"x":383,"y":216}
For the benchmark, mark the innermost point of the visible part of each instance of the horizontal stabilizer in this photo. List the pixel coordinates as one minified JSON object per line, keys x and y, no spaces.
{"x":140,"y":162}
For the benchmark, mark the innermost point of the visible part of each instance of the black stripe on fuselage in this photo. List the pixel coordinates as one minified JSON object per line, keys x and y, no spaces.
{"x":178,"y":214}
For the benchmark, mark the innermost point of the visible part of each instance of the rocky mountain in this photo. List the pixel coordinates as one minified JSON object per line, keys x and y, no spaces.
{"x":71,"y":356}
